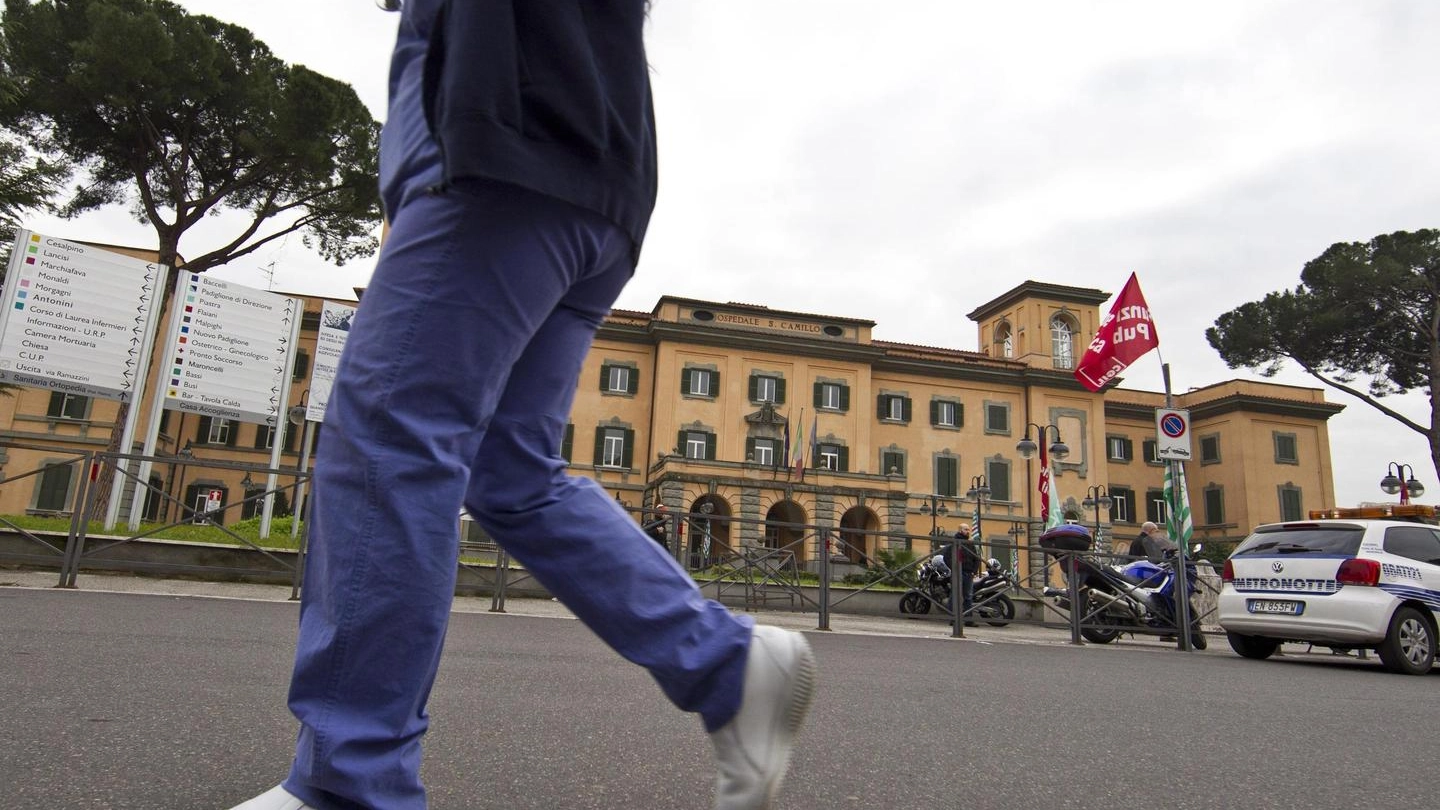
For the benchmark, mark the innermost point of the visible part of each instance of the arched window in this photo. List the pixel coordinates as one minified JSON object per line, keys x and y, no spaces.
{"x":1005,"y":339}
{"x":1062,"y":340}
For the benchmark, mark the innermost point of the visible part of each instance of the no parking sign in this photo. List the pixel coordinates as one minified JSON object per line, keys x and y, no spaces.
{"x":1172,"y":434}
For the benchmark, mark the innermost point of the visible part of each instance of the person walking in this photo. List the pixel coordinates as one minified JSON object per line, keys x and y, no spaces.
{"x":518,"y":175}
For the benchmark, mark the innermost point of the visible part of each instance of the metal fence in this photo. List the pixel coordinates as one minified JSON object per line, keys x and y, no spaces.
{"x":801,"y":567}
{"x":85,"y":505}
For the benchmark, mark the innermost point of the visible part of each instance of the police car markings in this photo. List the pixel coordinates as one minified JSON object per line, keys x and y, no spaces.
{"x":1429,"y":597}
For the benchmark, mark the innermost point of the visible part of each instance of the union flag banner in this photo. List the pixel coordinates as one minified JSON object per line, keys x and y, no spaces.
{"x":1125,"y":334}
{"x":1050,"y":513}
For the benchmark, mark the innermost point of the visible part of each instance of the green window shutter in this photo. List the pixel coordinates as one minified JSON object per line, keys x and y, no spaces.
{"x":905,"y":409}
{"x":749,"y":448}
{"x":604,"y":377}
{"x":54,"y":489}
{"x":628,"y":453}
{"x":599,"y":446}
{"x":959,"y":414}
{"x":302,"y":365}
{"x":232,"y":434}
{"x":685,"y":377}
{"x":710,"y":446}
{"x":844,"y":459}
{"x":819,"y":394}
{"x":633,"y":383}
{"x":998,"y":477}
{"x":947,"y":476}
{"x":844,"y":397}
{"x":882,"y":406}
{"x":567,"y":444}
{"x":681,"y":446}
{"x":934,"y":412}
{"x":202,"y":435}
{"x":714,"y":383}
{"x":754,"y":390}
{"x":780,"y":391}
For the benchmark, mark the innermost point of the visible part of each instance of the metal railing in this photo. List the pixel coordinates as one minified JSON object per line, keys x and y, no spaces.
{"x":748,"y":563}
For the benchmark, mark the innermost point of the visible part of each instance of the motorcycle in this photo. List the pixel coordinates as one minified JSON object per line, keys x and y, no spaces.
{"x":990,"y":603}
{"x":1136,"y":597}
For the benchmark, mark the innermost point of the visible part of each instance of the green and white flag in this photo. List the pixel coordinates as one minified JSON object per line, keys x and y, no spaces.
{"x":1178,"y":524}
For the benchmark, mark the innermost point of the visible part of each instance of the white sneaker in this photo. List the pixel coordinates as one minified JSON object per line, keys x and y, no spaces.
{"x":752,"y":751}
{"x":276,"y":798}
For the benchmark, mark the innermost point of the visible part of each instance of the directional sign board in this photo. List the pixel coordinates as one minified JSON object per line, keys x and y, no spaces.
{"x":76,"y":317}
{"x":1172,"y":434}
{"x":230,"y":350}
{"x":335,"y":320}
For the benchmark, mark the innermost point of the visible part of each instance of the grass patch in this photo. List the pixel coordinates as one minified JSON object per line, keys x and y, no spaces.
{"x":186,"y":532}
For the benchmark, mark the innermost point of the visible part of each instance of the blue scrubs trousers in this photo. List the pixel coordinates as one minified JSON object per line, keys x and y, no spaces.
{"x":454,"y":388}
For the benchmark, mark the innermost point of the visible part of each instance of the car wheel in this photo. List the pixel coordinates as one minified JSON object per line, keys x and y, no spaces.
{"x":1409,"y":647}
{"x":1257,"y":647}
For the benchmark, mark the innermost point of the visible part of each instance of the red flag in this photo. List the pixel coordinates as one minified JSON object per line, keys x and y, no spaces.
{"x":1125,"y":334}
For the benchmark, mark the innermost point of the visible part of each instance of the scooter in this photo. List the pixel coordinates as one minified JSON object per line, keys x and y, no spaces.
{"x":1137,"y":597}
{"x":989,"y":602}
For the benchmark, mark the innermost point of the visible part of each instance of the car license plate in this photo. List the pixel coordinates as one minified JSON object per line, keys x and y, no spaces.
{"x":1284,"y":606}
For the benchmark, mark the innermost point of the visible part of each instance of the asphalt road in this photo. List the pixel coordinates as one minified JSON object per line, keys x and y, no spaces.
{"x":163,"y":702}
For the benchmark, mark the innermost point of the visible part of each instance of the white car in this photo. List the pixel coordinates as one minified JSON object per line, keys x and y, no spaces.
{"x":1345,"y":583}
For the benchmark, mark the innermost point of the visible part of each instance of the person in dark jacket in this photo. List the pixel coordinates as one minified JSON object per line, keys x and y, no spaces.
{"x":970,"y":563}
{"x":518,"y":175}
{"x":1151,"y":544}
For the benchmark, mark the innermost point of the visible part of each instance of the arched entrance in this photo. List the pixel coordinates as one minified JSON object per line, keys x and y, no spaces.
{"x":780,"y":536}
{"x":857,"y":538}
{"x":709,"y":532}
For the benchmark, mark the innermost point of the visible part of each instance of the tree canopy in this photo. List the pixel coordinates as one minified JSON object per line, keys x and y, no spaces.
{"x":1362,"y":310}
{"x":27,"y":181}
{"x":181,"y":117}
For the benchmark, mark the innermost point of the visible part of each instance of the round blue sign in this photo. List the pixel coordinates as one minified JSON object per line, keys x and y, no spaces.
{"x":1172,"y":425}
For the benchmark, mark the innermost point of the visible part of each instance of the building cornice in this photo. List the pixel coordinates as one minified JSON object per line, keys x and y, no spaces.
{"x":1248,"y":403}
{"x":1087,"y":296}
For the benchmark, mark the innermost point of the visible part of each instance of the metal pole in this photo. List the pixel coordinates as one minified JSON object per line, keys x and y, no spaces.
{"x":1182,"y":574}
{"x":297,"y":511}
{"x":957,"y":602}
{"x":1072,"y":583}
{"x":502,"y":567}
{"x":824,"y":581}
{"x":79,"y":514}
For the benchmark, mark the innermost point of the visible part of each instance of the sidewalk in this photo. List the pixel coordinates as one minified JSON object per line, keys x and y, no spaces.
{"x":929,"y":627}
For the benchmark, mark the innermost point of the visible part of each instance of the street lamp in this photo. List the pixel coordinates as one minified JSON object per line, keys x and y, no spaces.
{"x":1392,"y":482}
{"x":979,"y":490}
{"x":934,"y":506}
{"x":1027,"y":448}
{"x":1097,"y":498}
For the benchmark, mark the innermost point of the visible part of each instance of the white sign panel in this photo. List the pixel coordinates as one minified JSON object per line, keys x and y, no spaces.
{"x":335,"y":320}
{"x":1172,"y":434}
{"x":76,"y":317}
{"x":230,"y":350}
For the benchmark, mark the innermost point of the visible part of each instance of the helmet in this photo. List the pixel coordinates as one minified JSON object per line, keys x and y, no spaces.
{"x":992,"y":565}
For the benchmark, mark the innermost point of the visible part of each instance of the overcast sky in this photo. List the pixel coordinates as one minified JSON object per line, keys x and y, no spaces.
{"x":906,"y":162}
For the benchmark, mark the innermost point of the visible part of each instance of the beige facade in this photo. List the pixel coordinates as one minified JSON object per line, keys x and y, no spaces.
{"x":690,"y":405}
